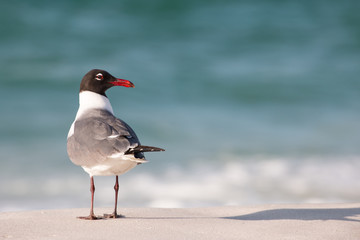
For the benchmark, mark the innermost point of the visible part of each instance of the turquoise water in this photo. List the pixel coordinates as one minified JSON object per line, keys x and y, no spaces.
{"x":254,"y":102}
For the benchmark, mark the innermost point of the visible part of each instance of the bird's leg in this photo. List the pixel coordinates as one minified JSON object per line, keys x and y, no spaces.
{"x":116,"y":188}
{"x":92,"y":190}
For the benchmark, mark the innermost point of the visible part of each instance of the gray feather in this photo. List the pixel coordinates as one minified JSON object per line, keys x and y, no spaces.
{"x":97,"y":135}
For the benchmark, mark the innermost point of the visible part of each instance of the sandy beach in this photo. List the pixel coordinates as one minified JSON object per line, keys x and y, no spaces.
{"x":303,"y":221}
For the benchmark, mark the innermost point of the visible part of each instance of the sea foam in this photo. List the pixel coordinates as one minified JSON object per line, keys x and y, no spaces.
{"x":236,"y":181}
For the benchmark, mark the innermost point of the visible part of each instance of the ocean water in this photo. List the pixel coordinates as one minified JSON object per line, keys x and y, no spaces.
{"x":254,"y":101}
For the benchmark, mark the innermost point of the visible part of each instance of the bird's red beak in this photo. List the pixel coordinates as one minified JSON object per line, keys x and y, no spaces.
{"x":122,"y":82}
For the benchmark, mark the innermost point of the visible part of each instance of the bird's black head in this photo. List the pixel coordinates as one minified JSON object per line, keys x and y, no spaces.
{"x":99,"y":81}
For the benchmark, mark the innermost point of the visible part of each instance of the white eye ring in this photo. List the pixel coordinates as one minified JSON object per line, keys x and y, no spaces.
{"x":99,"y":77}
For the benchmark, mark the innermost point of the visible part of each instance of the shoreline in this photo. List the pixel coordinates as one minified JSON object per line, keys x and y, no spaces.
{"x":276,"y":221}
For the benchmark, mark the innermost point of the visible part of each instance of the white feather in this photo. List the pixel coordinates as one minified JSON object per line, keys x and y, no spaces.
{"x":114,"y":166}
{"x":90,"y":100}
{"x":114,"y":136}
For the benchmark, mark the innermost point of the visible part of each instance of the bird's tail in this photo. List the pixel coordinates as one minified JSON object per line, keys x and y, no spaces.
{"x":142,"y":148}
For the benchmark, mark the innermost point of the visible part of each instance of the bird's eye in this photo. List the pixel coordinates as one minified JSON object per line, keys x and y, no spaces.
{"x":99,"y":77}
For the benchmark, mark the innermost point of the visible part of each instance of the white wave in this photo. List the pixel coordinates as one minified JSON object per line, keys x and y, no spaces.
{"x":236,"y":181}
{"x":240,"y":182}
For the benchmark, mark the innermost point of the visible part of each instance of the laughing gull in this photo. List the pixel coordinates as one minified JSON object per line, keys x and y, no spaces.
{"x":100,"y":143}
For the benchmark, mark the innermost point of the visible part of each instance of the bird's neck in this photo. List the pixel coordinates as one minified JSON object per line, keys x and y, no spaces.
{"x":89,"y":100}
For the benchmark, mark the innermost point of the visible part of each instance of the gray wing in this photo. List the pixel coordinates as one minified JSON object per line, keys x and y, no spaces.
{"x":99,"y":135}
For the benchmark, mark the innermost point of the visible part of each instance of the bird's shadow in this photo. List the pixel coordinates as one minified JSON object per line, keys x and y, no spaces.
{"x":309,"y":214}
{"x":342,"y":214}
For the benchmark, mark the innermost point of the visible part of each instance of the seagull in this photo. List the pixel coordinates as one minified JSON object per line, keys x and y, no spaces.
{"x":100,"y":143}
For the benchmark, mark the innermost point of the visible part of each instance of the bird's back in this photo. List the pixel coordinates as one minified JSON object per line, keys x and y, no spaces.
{"x":98,"y":136}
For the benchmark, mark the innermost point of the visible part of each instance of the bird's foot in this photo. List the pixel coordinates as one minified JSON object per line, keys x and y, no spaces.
{"x":113,"y":215}
{"x":90,"y":217}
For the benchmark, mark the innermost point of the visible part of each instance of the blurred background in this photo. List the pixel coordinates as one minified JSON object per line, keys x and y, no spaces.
{"x":255,"y":102}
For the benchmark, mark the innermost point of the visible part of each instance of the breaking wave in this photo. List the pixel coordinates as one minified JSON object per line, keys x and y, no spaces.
{"x":240,"y":181}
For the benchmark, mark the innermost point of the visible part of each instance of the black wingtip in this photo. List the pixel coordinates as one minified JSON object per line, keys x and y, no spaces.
{"x":144,"y":149}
